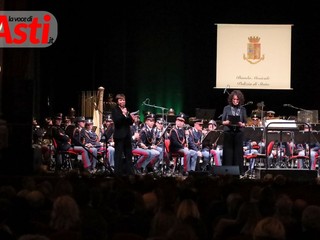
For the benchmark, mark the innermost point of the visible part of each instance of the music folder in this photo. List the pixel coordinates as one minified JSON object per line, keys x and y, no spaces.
{"x":234,"y":120}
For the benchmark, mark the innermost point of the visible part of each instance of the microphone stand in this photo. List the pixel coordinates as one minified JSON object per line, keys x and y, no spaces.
{"x":263,"y":122}
{"x":261,"y":114}
{"x":301,"y":109}
{"x":162,"y":138}
{"x":226,"y":89}
{"x":146,"y":103}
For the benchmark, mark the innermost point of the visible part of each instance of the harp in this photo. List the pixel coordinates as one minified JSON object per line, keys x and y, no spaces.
{"x":98,"y":111}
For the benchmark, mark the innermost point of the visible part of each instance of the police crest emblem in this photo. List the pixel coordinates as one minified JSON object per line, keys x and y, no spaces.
{"x":253,"y":50}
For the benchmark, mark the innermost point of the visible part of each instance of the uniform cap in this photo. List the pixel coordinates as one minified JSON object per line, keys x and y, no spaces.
{"x":271,"y":112}
{"x":160,"y":120}
{"x":198,"y":121}
{"x":149,"y":116}
{"x":80,"y":119}
{"x":89,"y":122}
{"x":58,"y":116}
{"x":108,"y":118}
{"x":181,"y":117}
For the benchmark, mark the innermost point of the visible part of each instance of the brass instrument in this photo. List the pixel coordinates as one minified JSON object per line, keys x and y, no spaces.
{"x":162,"y":135}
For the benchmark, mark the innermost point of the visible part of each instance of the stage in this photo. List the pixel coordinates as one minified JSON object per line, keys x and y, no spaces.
{"x":292,"y":174}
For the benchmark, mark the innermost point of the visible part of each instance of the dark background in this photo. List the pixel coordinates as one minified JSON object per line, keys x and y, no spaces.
{"x":161,"y":50}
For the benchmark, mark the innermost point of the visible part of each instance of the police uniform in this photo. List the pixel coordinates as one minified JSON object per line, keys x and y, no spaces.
{"x":64,"y":143}
{"x":147,"y":142}
{"x":178,"y":144}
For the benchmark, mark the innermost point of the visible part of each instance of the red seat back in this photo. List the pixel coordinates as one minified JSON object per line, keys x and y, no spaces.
{"x":167,"y":144}
{"x":270,"y":147}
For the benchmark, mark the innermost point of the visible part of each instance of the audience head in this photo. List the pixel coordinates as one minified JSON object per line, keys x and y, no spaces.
{"x":269,"y":228}
{"x":311,"y":218}
{"x":187,"y":208}
{"x":65,"y":213}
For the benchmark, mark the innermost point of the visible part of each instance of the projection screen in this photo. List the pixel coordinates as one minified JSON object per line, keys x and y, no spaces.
{"x":253,"y":56}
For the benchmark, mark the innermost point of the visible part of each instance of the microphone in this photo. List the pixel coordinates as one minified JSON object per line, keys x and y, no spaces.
{"x":248,"y":103}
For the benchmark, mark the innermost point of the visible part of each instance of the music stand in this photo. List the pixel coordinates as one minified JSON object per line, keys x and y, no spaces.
{"x":302,"y":137}
{"x":315,"y":136}
{"x":253,"y":133}
{"x":171,"y":118}
{"x":282,"y":131}
{"x":280,"y":136}
{"x":308,"y":116}
{"x":213,"y":137}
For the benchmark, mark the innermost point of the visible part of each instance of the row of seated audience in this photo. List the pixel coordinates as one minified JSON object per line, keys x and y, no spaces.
{"x":141,"y":207}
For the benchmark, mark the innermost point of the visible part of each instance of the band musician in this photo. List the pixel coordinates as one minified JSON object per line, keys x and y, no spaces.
{"x":148,"y":142}
{"x":259,"y":111}
{"x":90,"y":138}
{"x":161,"y":135}
{"x":140,"y":155}
{"x":179,"y":144}
{"x":195,"y":144}
{"x":209,"y":149}
{"x":79,"y":139}
{"x":64,"y":143}
{"x":254,"y":121}
{"x":107,"y":138}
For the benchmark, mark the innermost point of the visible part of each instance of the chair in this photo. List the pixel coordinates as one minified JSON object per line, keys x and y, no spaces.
{"x":278,"y":155}
{"x":176,"y":157}
{"x":103,"y":160}
{"x":64,"y":159}
{"x":298,"y":159}
{"x":261,"y":156}
{"x":251,"y":159}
